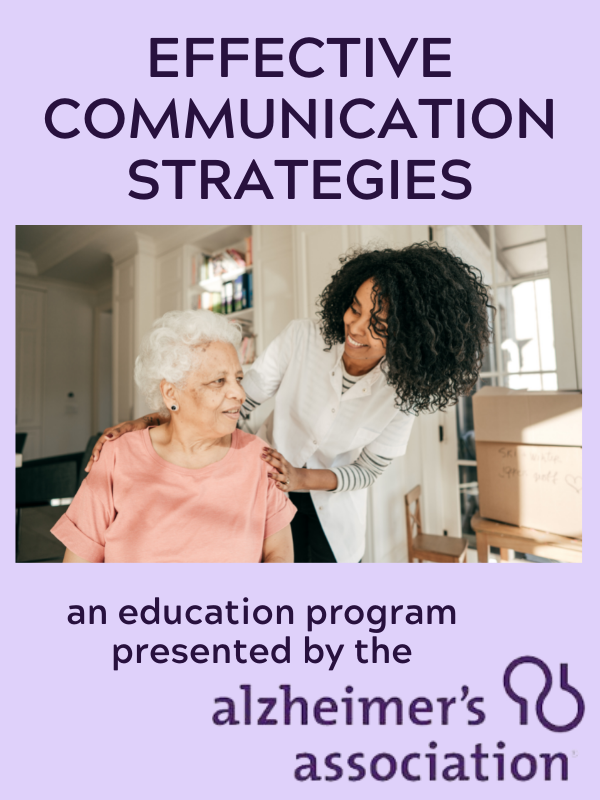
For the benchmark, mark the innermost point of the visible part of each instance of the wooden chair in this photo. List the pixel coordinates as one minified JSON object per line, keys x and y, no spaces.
{"x":428,"y":547}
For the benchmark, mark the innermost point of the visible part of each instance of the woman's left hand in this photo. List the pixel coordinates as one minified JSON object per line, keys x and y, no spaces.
{"x":286,"y":477}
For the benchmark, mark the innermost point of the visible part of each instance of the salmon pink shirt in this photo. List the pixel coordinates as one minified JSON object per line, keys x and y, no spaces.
{"x":136,"y":507}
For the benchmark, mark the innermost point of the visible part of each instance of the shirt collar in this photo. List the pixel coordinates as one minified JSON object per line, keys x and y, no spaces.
{"x":368,"y":377}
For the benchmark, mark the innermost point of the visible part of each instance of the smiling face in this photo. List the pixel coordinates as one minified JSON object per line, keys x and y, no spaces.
{"x":362,"y":348}
{"x":212,"y":396}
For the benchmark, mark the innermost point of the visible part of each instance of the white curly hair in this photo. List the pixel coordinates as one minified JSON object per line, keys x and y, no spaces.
{"x":169,"y":352}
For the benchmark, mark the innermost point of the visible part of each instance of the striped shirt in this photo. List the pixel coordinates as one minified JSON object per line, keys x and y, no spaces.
{"x":347,"y":380}
{"x":368,"y":466}
{"x":248,"y":408}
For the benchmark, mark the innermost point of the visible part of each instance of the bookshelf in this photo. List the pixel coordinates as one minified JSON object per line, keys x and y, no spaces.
{"x":245,"y":313}
{"x":221,"y":280}
{"x":183,"y":276}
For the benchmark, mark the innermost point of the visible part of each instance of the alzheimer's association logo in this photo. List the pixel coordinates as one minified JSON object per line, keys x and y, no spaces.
{"x":539,"y":706}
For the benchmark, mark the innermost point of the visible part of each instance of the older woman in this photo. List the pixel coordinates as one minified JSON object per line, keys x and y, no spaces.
{"x":194,"y":489}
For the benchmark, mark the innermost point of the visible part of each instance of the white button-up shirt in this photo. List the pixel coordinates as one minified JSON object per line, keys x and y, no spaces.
{"x":314,"y":424}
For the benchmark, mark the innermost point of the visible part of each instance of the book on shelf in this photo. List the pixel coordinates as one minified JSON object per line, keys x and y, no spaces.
{"x":237,"y":293}
{"x":247,"y":297}
{"x":238,"y":257}
{"x":210,"y":301}
{"x":234,"y":295}
{"x":229,"y":262}
{"x":227,"y":298}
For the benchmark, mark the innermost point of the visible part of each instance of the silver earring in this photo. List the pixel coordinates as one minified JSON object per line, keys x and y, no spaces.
{"x":173,"y":408}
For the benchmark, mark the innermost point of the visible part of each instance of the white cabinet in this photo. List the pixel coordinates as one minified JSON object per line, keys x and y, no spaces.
{"x":30,"y":333}
{"x":273,"y":281}
{"x":317,"y":249}
{"x":170,"y":283}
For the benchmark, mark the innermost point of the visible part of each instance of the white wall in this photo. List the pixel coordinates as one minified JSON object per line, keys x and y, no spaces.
{"x":29,"y":359}
{"x":67,"y":368}
{"x":66,"y":365}
{"x":273,"y":281}
{"x":565,"y":265}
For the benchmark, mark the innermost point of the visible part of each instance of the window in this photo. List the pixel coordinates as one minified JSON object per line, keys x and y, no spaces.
{"x":514,"y":262}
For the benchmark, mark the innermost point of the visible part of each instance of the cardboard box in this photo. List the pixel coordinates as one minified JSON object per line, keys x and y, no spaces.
{"x":529,"y":458}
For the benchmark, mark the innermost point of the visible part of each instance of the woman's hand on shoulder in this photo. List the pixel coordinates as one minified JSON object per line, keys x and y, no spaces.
{"x":111,"y":434}
{"x":286,"y":477}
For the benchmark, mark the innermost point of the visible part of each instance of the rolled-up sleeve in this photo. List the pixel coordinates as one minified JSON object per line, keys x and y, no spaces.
{"x":362,"y":473}
{"x":376,"y":457}
{"x":82,"y":529}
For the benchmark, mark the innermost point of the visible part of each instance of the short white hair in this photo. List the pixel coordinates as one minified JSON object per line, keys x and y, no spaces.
{"x":169,"y":352}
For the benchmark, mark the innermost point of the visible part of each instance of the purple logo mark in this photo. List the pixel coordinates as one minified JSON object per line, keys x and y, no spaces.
{"x":564,"y":685}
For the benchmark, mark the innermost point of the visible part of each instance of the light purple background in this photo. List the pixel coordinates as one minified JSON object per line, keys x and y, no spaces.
{"x":73,"y":727}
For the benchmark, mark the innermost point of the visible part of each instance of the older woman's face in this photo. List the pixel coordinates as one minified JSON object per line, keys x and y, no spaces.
{"x":213,"y":395}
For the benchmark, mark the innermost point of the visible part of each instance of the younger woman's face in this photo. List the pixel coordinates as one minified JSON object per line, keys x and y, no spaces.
{"x":361,"y":345}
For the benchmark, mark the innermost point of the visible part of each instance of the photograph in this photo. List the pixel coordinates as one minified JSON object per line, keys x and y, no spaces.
{"x":298,"y":393}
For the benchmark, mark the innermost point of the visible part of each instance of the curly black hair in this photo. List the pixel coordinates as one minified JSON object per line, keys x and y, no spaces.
{"x":432,"y":310}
